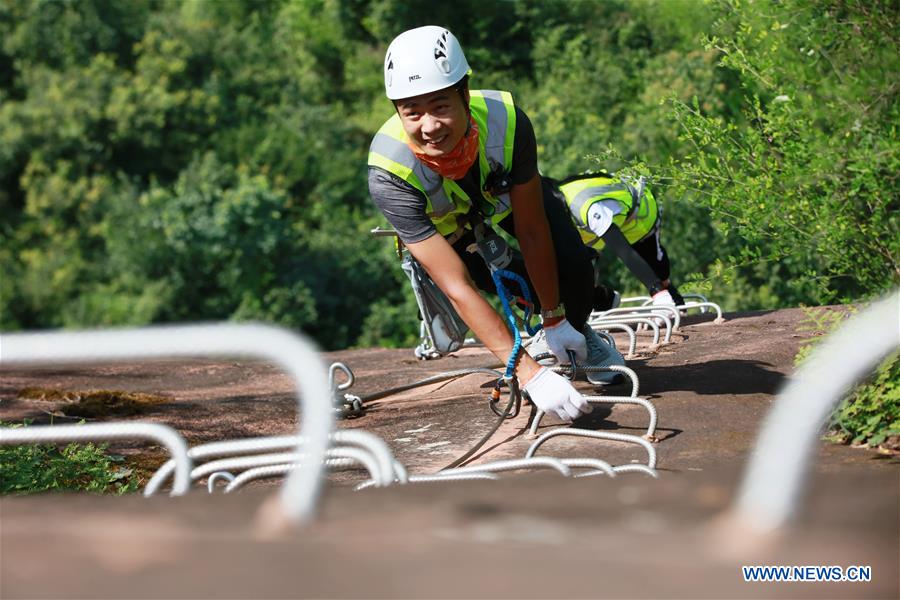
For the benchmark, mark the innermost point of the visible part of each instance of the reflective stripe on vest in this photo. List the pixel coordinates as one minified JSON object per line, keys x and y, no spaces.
{"x":639,"y":211}
{"x":416,"y":173}
{"x":494,"y":113}
{"x":580,"y":204}
{"x":498,"y":146}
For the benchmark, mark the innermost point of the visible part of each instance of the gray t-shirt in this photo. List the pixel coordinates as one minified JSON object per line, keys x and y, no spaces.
{"x":404,"y":206}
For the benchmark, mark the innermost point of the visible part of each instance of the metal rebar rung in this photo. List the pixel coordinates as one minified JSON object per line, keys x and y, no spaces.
{"x":642,"y":311}
{"x":346,"y":457}
{"x":220,"y":449}
{"x":776,"y":474}
{"x":651,"y":410}
{"x":599,"y":466}
{"x":361,"y":439}
{"x":211,"y":482}
{"x":240,"y":463}
{"x":632,"y":338}
{"x":635,"y":384}
{"x":700,"y":298}
{"x":294,"y":353}
{"x":541,"y":462}
{"x":601,"y":322}
{"x":260,"y":473}
{"x":599,"y":435}
{"x":377,"y":447}
{"x":636,"y":469}
{"x":702,"y":306}
{"x":437,"y":477}
{"x":649,"y":321}
{"x":355,"y":455}
{"x":262,"y":460}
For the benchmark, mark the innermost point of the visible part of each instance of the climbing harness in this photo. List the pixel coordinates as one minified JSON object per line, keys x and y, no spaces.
{"x":443,"y":330}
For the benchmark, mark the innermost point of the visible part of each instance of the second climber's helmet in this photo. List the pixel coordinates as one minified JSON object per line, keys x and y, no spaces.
{"x":421,"y":61}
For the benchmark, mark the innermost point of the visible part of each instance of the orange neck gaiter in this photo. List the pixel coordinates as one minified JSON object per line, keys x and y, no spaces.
{"x":456,"y":163}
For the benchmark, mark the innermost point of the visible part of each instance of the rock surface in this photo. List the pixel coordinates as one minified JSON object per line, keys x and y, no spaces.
{"x":533,"y":534}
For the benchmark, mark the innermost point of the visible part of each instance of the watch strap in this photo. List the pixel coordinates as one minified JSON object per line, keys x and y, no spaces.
{"x":558,"y":311}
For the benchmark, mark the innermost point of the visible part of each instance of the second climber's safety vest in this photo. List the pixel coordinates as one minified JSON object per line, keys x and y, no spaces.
{"x":636,"y":219}
{"x":447,"y":203}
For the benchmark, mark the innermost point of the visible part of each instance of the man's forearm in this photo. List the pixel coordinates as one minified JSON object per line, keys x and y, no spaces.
{"x":446,"y":269}
{"x":540,"y":262}
{"x":535,"y":241}
{"x":490,"y":328}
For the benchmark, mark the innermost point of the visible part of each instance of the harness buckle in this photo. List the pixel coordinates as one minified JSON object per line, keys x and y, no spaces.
{"x":498,"y":181}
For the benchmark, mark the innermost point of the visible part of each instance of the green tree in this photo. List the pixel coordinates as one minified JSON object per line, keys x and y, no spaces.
{"x":166,"y":161}
{"x":808,"y":179}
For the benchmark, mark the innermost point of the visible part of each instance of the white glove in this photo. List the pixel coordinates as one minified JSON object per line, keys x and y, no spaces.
{"x":563,"y":336}
{"x":553,"y":393}
{"x":663,"y":298}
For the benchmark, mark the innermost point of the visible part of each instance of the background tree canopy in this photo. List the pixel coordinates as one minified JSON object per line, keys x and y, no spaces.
{"x":170,"y":161}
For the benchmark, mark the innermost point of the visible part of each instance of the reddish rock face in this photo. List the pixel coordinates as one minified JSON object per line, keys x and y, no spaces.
{"x":532,"y":534}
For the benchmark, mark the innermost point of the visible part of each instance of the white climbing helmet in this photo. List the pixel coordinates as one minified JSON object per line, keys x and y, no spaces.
{"x":421,"y":61}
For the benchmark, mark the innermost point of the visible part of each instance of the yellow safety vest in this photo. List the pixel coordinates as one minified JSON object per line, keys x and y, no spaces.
{"x":495,"y":115}
{"x":639,"y":212}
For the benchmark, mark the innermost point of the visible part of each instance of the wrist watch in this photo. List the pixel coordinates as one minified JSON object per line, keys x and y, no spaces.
{"x":559,"y":311}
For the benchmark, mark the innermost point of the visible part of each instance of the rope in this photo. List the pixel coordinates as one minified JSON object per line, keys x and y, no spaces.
{"x":498,"y":276}
{"x":509,"y":377}
{"x":514,"y":400}
{"x":427,"y":380}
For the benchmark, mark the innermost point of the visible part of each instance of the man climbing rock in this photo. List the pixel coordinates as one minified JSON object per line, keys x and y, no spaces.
{"x":622,"y":215}
{"x":451,"y":164}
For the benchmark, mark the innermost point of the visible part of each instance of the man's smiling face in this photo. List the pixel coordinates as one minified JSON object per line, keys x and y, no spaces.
{"x":435,"y":122}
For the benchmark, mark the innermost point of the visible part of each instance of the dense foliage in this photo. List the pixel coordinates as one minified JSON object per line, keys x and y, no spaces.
{"x":170,"y":161}
{"x":870,"y":413}
{"x":808,"y":179}
{"x":74,"y":467}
